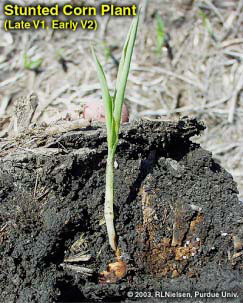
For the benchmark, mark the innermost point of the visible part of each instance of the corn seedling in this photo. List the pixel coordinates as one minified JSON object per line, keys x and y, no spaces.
{"x":113,"y":109}
{"x":107,"y":51}
{"x":33,"y":65}
{"x":207,"y":24}
{"x":160,"y":29}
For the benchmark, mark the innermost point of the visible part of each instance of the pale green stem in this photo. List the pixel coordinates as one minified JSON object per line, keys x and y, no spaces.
{"x":109,"y":199}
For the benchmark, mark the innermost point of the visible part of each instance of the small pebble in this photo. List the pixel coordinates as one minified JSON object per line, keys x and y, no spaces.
{"x":224,"y":234}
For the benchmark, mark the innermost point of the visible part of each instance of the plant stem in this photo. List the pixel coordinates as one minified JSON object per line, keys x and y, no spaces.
{"x":109,"y":199}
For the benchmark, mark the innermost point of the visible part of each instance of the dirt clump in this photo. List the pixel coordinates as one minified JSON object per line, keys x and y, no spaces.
{"x":177,"y":216}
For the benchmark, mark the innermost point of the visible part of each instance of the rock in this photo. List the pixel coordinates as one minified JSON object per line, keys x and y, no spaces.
{"x":94,"y":111}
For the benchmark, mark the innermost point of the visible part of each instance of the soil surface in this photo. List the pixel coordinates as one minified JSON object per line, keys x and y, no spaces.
{"x":177,"y":216}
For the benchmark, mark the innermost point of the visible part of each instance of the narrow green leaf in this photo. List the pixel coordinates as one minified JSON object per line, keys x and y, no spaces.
{"x":124,"y":51}
{"x":207,"y":24}
{"x":107,"y":51}
{"x":114,"y":134}
{"x":123,"y":72}
{"x":26,"y":61}
{"x":160,"y":33}
{"x":106,"y":99}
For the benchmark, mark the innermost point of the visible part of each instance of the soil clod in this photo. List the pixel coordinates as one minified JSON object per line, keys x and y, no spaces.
{"x":177,"y":216}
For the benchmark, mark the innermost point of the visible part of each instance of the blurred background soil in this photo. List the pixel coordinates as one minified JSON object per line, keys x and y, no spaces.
{"x":187,"y":61}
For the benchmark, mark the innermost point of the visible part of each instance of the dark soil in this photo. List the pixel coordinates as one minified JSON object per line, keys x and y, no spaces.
{"x":177,"y":217}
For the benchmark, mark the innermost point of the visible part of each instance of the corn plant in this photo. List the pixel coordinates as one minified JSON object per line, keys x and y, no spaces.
{"x":160,"y":29}
{"x":207,"y":24}
{"x":113,"y":109}
{"x":33,"y":65}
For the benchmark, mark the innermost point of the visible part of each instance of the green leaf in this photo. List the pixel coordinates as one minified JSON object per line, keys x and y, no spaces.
{"x":106,"y":99}
{"x":207,"y":24}
{"x":32,"y":64}
{"x":113,"y":105}
{"x":26,"y":61}
{"x":121,"y":65}
{"x":107,"y":51}
{"x":123,"y":72}
{"x":160,"y":33}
